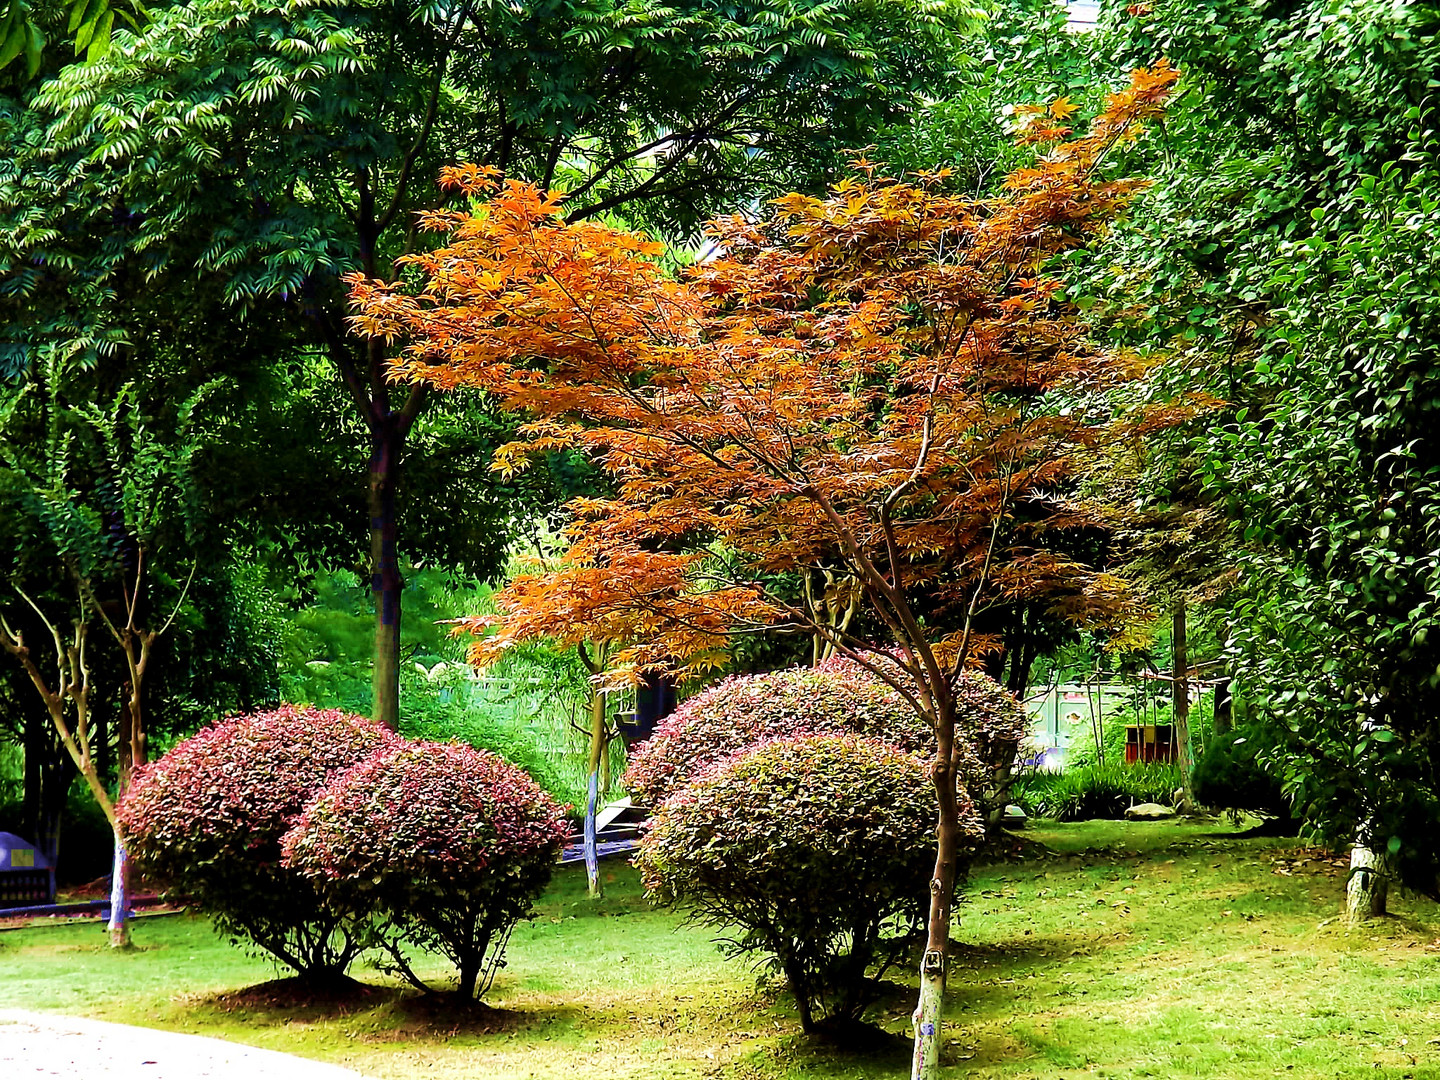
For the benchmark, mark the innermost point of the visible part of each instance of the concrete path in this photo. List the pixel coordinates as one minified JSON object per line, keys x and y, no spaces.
{"x":41,"y":1045}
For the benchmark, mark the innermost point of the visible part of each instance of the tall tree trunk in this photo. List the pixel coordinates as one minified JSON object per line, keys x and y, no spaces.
{"x":119,"y":924}
{"x":1224,"y":706}
{"x":928,"y":1018}
{"x":1180,"y":672}
{"x":49,"y":772}
{"x":386,"y":583}
{"x":597,"y":753}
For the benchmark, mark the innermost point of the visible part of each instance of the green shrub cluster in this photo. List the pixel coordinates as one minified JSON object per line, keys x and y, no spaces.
{"x":1230,"y":776}
{"x":1095,"y":791}
{"x":1081,"y":750}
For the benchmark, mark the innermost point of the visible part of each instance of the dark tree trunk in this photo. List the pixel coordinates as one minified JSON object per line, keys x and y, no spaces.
{"x":1023,"y":659}
{"x":469,"y":977}
{"x":48,"y":774}
{"x":386,"y":583}
{"x":1224,"y":707}
{"x":1180,"y":665}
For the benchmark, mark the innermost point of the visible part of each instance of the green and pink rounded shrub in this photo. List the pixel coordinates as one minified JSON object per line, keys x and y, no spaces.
{"x":818,"y":848}
{"x":449,"y":846}
{"x":207,"y":820}
{"x":837,"y":697}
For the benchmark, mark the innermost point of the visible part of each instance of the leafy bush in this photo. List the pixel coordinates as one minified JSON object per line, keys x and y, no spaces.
{"x":428,"y":717}
{"x":836,"y":698}
{"x":817,"y":848}
{"x":1096,"y":791}
{"x":449,"y":845}
{"x":1228,"y":776}
{"x":744,"y":709}
{"x":208,"y":817}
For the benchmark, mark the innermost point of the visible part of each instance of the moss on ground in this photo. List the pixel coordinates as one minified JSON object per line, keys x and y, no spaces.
{"x":1132,"y":950}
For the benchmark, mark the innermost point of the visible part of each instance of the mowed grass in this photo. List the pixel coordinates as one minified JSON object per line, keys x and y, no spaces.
{"x":1133,"y":950}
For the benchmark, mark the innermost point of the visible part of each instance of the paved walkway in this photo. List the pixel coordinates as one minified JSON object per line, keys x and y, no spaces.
{"x":41,"y":1045}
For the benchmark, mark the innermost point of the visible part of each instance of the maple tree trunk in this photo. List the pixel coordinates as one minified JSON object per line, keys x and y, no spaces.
{"x":1224,"y":706}
{"x":597,"y":754}
{"x":1180,"y":662}
{"x":385,"y":580}
{"x":928,"y":1018}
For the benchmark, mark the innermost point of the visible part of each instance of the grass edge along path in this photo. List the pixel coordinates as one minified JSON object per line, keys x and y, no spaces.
{"x":1134,"y":950}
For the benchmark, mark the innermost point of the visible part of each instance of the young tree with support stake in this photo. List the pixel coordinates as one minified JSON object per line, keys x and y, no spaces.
{"x":102,"y":497}
{"x":873,"y":381}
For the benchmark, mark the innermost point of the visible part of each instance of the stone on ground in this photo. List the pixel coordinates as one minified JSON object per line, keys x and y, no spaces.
{"x":1148,"y":811}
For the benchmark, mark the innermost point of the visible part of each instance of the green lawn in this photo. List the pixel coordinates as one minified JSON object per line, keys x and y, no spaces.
{"x":1138,"y":950}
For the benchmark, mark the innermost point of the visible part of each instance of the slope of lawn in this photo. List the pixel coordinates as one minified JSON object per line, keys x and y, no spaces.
{"x":1133,"y":950}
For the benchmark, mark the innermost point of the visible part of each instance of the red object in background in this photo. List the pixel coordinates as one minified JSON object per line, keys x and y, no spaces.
{"x":1149,"y":742}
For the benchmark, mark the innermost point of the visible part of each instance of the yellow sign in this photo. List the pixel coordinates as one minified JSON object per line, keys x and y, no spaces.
{"x":22,"y":857}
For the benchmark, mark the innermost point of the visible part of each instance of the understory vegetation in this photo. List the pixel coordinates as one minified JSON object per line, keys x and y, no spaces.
{"x":435,"y":438}
{"x":1125,"y":950}
{"x":1083,"y":792}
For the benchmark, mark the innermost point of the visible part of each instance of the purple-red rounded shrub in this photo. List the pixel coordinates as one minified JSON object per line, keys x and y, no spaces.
{"x":207,"y":819}
{"x":834,"y":699}
{"x":818,"y":849}
{"x":837,"y":697}
{"x":450,"y":846}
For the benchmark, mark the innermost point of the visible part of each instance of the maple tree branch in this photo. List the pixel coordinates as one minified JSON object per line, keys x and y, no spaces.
{"x":909,"y":635}
{"x":414,"y":402}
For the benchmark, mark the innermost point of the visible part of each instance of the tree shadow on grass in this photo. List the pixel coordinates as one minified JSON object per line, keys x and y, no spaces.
{"x":450,"y":1014}
{"x":1004,"y":955}
{"x":308,"y":997}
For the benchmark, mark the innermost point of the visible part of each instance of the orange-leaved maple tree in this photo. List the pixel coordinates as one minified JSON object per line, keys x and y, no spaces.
{"x":883,"y":390}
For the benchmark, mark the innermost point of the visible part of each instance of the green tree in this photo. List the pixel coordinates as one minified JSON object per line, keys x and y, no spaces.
{"x":272,"y":148}
{"x":1288,"y":246}
{"x":103,"y":508}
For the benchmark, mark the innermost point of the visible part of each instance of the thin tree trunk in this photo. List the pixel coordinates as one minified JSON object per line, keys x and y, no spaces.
{"x":928,"y":1018}
{"x":1096,"y":731}
{"x":1180,"y":663}
{"x":597,"y":753}
{"x":1224,"y":706}
{"x":385,"y":582}
{"x":119,"y":925}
